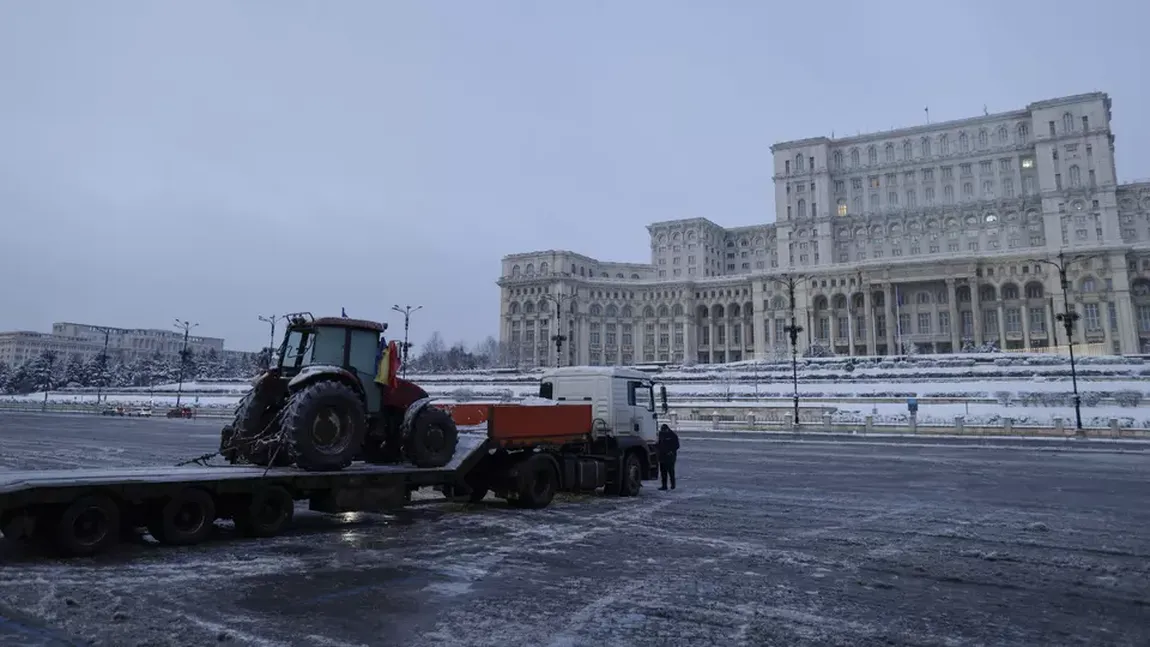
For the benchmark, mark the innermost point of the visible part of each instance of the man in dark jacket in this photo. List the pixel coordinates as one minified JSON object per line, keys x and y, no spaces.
{"x":668,"y":448}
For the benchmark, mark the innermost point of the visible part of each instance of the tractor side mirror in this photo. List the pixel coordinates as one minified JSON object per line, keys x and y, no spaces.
{"x":663,"y":396}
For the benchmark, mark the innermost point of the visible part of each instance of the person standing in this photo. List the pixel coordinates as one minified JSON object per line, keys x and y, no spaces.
{"x":668,"y":449}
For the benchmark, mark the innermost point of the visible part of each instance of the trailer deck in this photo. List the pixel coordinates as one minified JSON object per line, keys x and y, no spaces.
{"x":15,"y":482}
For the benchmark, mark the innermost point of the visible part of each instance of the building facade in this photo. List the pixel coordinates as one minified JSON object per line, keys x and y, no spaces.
{"x":86,"y":341}
{"x":926,"y":239}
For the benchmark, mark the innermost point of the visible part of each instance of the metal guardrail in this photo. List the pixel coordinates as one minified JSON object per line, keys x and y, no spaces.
{"x":92,"y":410}
{"x":1007,"y":429}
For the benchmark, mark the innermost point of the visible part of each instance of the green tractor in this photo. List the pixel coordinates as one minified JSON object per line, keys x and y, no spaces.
{"x":333,"y":397}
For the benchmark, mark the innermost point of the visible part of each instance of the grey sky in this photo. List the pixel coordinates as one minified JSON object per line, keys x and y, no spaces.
{"x":167,"y":159}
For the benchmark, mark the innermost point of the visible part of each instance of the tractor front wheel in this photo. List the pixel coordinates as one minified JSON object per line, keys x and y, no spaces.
{"x":432,"y":439}
{"x":326,"y":423}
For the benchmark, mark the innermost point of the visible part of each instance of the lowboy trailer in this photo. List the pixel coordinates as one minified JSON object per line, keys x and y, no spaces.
{"x":521,"y":453}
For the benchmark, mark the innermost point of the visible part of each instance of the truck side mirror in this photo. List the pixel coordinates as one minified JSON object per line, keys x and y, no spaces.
{"x":663,"y":396}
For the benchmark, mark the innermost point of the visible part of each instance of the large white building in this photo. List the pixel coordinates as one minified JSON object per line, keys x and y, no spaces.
{"x":69,"y":339}
{"x":928,"y":236}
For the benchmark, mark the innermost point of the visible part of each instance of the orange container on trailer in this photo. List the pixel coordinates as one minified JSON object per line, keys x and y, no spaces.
{"x":518,"y":425}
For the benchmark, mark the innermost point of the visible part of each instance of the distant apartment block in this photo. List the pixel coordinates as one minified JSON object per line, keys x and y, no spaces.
{"x":85,"y":341}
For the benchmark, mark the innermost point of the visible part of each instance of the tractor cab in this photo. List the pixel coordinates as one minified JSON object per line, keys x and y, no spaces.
{"x":350,"y":344}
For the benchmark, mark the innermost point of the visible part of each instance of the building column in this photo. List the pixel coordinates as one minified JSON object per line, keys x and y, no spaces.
{"x":891,"y":320}
{"x":1025,"y":314}
{"x":850,"y":327}
{"x":955,"y":316}
{"x":713,"y":341}
{"x":976,"y":311}
{"x":1001,"y":323}
{"x":758,"y":314}
{"x":690,"y":344}
{"x":1127,"y":323}
{"x":868,"y":310}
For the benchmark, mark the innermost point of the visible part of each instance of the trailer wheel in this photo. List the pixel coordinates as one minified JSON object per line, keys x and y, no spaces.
{"x":88,"y":525}
{"x":537,"y":482}
{"x":432,"y":439}
{"x":631,"y":479}
{"x":266,"y":513}
{"x":185,"y":519}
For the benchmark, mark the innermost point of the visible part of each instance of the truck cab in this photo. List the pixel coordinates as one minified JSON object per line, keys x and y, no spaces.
{"x":625,"y":402}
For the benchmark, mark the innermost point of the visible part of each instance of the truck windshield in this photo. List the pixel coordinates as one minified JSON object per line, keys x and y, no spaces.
{"x":650,"y":397}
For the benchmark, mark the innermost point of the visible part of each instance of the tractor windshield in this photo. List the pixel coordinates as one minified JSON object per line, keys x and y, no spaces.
{"x":297,"y":348}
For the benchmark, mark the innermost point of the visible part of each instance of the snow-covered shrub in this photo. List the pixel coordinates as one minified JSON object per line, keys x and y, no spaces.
{"x":1128,"y":398}
{"x":1091,"y":398}
{"x":1003,"y":397}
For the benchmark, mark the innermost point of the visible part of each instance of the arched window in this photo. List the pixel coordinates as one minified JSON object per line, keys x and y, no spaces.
{"x":983,"y":139}
{"x":907,"y":150}
{"x":802,"y":208}
{"x":1067,"y":123}
{"x":943,"y":145}
{"x":515,"y":270}
{"x":838,"y":158}
{"x":926,"y":146}
{"x":872,"y":155}
{"x":855,"y":157}
{"x":1023,"y":134}
{"x":799,"y":161}
{"x":889,"y":151}
{"x":963,"y":143}
{"x":1003,"y":135}
{"x":1075,"y":175}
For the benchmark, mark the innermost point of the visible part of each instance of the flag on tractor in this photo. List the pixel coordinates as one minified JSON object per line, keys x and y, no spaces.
{"x":388,"y":364}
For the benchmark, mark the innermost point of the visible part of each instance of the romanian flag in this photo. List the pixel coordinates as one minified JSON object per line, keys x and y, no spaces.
{"x":388,"y":364}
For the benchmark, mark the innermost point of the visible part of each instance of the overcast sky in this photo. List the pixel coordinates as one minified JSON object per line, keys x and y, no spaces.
{"x":214,"y":160}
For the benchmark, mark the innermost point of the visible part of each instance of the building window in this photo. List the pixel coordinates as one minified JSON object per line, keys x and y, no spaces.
{"x":1068,"y":122}
{"x":1075,"y":175}
{"x":838,"y":160}
{"x":890,"y":152}
{"x":944,"y":145}
{"x":963,"y":143}
{"x":842,"y":207}
{"x":872,"y":155}
{"x":983,"y":139}
{"x":926,"y":147}
{"x":944,"y":322}
{"x":907,"y":150}
{"x":855,"y":157}
{"x":1008,"y":187}
{"x":1023,"y":134}
{"x":1090,"y":316}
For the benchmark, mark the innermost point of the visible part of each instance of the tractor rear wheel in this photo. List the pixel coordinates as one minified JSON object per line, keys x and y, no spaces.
{"x":326,"y":423}
{"x":254,"y":426}
{"x":432,"y":439}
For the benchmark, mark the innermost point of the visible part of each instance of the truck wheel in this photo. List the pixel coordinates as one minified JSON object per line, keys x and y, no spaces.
{"x":266,"y":513}
{"x":537,"y":482}
{"x":631,"y":478}
{"x":326,"y":423}
{"x":185,"y":519}
{"x":88,"y":525}
{"x":432,"y":439}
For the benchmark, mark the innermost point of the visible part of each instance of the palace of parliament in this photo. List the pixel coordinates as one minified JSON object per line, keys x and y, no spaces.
{"x":927,"y":239}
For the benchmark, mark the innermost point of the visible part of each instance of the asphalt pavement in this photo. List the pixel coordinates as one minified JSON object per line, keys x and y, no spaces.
{"x":763,"y":543}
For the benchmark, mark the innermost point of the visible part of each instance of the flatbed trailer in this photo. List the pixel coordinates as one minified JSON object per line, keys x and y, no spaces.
{"x":523,"y":454}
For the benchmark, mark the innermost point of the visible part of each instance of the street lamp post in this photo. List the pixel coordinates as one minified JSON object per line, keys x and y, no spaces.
{"x":1067,"y":318}
{"x":793,"y":331}
{"x":103,"y":365}
{"x":558,"y":337}
{"x":406,"y":311}
{"x":187,"y":328}
{"x":271,"y":321}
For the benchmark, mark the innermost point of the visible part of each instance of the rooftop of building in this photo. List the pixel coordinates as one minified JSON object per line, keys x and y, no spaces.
{"x":989,"y":118}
